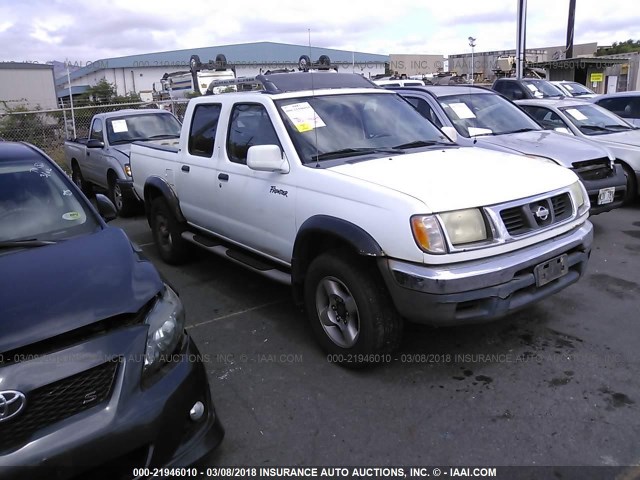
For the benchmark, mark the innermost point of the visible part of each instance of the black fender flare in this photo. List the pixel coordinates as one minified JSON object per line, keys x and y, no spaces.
{"x":158,"y":183}
{"x":344,"y":231}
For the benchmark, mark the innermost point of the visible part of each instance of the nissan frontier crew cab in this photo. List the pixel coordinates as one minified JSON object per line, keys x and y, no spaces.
{"x":344,"y":191}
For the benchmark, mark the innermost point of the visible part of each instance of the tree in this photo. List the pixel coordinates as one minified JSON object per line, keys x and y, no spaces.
{"x":101,"y":92}
{"x":620,"y":47}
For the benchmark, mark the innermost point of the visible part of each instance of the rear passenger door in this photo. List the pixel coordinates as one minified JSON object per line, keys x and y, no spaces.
{"x":196,"y":176}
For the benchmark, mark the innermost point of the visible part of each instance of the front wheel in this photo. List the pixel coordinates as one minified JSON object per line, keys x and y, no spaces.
{"x":349,"y":308}
{"x":124,"y":207}
{"x":632,"y":185}
{"x":167,"y":233}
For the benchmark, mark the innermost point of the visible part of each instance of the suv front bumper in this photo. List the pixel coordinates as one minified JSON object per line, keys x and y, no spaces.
{"x":483,"y":290}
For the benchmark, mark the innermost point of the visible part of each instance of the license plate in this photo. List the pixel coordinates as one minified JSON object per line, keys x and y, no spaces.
{"x":550,"y":270}
{"x":605,"y":195}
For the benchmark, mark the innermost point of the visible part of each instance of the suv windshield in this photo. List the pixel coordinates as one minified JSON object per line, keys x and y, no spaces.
{"x":576,"y":89}
{"x":142,"y":127}
{"x":485,"y":114}
{"x":346,"y":125}
{"x":38,"y":204}
{"x":542,"y":89}
{"x":595,"y":120}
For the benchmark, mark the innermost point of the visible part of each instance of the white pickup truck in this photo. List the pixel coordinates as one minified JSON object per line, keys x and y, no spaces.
{"x":341,"y":189}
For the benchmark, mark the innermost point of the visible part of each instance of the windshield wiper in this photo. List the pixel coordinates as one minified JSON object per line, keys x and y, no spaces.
{"x":26,"y":243}
{"x":421,"y":143}
{"x":350,"y":152}
{"x":596,"y":127}
{"x":128,"y":140}
{"x":165,"y":135}
{"x":621,"y":127}
{"x":520,"y":130}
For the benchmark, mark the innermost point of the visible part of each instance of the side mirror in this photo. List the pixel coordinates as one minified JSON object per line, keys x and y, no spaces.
{"x":267,"y":158}
{"x":450,"y":132}
{"x":562,"y":130}
{"x":106,"y":209}
{"x":93,"y":143}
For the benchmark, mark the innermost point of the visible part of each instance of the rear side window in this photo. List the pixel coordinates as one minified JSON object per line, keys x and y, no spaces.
{"x":250,"y":125}
{"x":625,"y":107}
{"x":203,"y":129}
{"x":424,"y":109}
{"x":96,"y":130}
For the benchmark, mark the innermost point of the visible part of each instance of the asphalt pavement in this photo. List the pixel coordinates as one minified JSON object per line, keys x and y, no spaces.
{"x":556,"y":384}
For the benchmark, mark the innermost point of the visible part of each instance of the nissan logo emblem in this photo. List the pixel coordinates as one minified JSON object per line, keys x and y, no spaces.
{"x":541,"y":212}
{"x":11,"y":404}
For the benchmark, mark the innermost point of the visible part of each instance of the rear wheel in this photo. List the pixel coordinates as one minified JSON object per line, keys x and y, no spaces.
{"x":350,"y":311}
{"x":167,"y":233}
{"x":78,"y":179}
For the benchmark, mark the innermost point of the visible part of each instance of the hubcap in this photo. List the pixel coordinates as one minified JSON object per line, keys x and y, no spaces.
{"x":164,"y":235}
{"x":117,"y":196}
{"x":338,"y":312}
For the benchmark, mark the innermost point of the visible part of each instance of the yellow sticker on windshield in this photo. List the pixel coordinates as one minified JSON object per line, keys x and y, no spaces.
{"x":303,"y":116}
{"x":71,"y":216}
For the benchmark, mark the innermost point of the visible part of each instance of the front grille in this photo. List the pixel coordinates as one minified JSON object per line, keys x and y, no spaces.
{"x":537,"y":215}
{"x":593,"y":169}
{"x":59,"y":400}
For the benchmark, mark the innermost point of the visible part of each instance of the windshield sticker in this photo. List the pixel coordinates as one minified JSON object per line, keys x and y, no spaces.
{"x":40,"y":169}
{"x":71,"y":216}
{"x":473,"y":131}
{"x":532,"y":87}
{"x":575,"y":113}
{"x":303,"y":116}
{"x":119,"y":126}
{"x":462,"y":111}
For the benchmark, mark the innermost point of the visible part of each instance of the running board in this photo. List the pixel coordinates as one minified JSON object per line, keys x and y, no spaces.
{"x":252,"y":262}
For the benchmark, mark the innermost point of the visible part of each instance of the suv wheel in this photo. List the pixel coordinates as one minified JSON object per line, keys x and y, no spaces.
{"x":124,"y":207}
{"x":350,"y":311}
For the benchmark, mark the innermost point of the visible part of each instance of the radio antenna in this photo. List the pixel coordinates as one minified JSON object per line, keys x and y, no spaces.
{"x":313,"y":94}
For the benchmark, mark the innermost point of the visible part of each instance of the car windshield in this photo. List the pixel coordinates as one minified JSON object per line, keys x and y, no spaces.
{"x":485,"y":114}
{"x":595,"y":120}
{"x":347,"y":125}
{"x":542,"y":89}
{"x":576,"y":89}
{"x":148,"y":126}
{"x":37,"y":204}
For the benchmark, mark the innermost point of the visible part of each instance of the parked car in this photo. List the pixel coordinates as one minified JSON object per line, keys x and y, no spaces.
{"x":518,"y":89}
{"x":479,"y":117}
{"x":404,"y":82}
{"x":97,"y":371}
{"x":574,"y":89}
{"x":597,"y":124}
{"x":103,"y":158}
{"x":623,"y":104}
{"x":340,"y":189}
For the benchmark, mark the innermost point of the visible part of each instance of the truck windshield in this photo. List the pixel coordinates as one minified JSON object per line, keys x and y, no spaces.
{"x":577,"y":89}
{"x":347,"y":125}
{"x":542,"y":89}
{"x":130,"y":128}
{"x":39,"y":206}
{"x":485,"y":114}
{"x":595,"y":120}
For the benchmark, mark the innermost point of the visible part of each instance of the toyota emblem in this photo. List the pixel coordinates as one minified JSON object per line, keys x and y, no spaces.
{"x":11,"y":404}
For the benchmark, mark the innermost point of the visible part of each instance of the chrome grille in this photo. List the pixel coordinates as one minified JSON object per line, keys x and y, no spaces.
{"x":537,"y":214}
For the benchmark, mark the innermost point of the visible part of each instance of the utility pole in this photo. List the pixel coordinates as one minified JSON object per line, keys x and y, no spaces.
{"x":472,"y":44}
{"x":521,"y":40}
{"x":570,"y":29}
{"x":73,"y":117}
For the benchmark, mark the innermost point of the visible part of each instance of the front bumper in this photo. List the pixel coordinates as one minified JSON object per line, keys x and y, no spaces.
{"x":142,"y":423}
{"x":593,"y":187}
{"x":483,"y":290}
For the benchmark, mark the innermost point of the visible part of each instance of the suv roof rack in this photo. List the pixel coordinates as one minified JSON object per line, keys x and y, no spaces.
{"x":295,"y":81}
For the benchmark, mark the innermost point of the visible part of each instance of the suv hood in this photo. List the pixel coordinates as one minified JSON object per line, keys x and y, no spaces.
{"x":562,"y":148}
{"x":456,"y":178}
{"x":47,"y":291}
{"x":630,"y":138}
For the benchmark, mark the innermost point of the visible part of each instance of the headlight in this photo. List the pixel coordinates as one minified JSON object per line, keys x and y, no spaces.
{"x":127,"y":169}
{"x":166,"y":327}
{"x":580,"y":197}
{"x":464,"y":226}
{"x":427,"y":233}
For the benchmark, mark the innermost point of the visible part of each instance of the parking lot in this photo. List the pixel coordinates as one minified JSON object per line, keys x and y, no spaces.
{"x":556,"y":384}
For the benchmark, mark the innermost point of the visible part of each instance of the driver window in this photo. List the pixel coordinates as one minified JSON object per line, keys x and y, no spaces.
{"x":249,"y":125}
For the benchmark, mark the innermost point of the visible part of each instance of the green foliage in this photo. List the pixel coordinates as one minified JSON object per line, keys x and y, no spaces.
{"x":37,"y":128}
{"x":101,"y":92}
{"x":620,"y":47}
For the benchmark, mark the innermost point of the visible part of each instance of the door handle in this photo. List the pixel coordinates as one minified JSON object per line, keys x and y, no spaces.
{"x":223,"y":176}
{"x":185,"y":168}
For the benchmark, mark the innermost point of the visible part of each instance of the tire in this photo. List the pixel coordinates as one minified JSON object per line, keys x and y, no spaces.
{"x":167,"y":233}
{"x":324,"y":61}
{"x":304,"y":62}
{"x":78,"y":179}
{"x":221,"y":61}
{"x":350,"y":311}
{"x":632,"y":185}
{"x":194,"y":63}
{"x":124,"y":207}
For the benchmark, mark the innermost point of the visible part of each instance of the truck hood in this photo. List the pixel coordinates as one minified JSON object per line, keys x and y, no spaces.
{"x":456,"y":178}
{"x":47,"y":291}
{"x":125,"y":148}
{"x":562,"y":148}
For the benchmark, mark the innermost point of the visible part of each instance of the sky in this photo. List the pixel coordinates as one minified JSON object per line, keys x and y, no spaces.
{"x":80,"y":31}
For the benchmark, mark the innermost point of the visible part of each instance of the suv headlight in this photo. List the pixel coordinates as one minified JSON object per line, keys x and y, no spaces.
{"x":127,"y":169}
{"x":580,"y":197}
{"x":464,"y":226}
{"x":166,"y":322}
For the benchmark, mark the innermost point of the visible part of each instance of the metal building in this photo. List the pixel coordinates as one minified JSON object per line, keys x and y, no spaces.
{"x":29,"y":85}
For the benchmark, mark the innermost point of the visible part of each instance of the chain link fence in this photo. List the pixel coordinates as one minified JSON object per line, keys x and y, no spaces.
{"x":48,"y":129}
